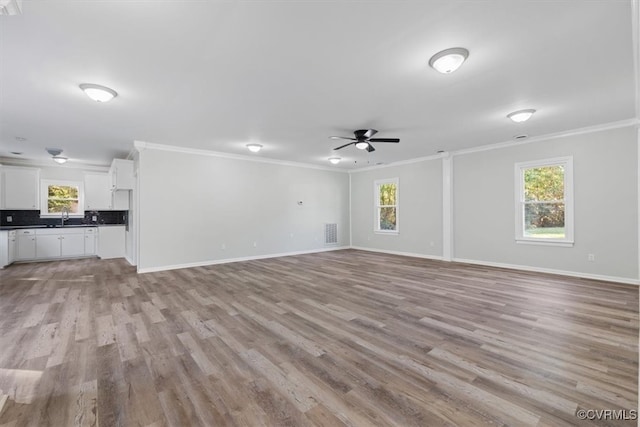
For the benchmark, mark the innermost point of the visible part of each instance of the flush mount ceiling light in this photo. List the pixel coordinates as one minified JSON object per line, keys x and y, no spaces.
{"x":449,"y":60}
{"x":362,"y":145}
{"x":521,"y":115}
{"x":55,"y":152}
{"x":254,"y":148}
{"x":98,"y":93}
{"x":334,"y":160}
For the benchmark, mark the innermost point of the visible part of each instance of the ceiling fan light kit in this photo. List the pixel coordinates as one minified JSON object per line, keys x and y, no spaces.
{"x":98,"y":93}
{"x":363,"y":140}
{"x":449,"y":60}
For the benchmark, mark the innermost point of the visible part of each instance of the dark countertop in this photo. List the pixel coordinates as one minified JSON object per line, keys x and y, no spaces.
{"x":22,"y":227}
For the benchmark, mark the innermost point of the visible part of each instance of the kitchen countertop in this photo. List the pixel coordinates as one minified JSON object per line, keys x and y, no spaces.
{"x":22,"y":227}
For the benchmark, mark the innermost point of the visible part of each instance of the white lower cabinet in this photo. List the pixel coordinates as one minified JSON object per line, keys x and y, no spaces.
{"x":48,"y":243}
{"x":12,"y":246}
{"x":72,"y":245}
{"x":26,"y":245}
{"x":47,"y":246}
{"x":90,"y":241}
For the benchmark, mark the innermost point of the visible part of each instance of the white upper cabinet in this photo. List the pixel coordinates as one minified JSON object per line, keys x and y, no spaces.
{"x":20,"y":188}
{"x":121,"y":173}
{"x":97,"y":191}
{"x":98,"y":195}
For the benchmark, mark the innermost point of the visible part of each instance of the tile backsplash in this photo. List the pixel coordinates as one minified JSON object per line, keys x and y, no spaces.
{"x":32,"y":217}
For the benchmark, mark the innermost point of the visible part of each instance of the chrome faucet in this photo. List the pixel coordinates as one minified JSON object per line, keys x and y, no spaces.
{"x":65,"y":210}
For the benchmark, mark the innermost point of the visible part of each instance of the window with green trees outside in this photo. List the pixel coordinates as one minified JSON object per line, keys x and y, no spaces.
{"x":545,"y":200}
{"x":386,"y":214}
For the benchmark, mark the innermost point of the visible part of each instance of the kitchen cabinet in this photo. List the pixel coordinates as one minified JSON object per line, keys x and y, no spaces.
{"x":72,"y":244}
{"x":99,"y":196}
{"x":90,"y":235}
{"x":4,"y":246}
{"x":97,"y":192}
{"x":12,"y":247}
{"x":26,"y":245}
{"x":121,"y":173}
{"x":111,"y":242}
{"x":61,"y":242}
{"x":20,"y":188}
{"x":47,"y":246}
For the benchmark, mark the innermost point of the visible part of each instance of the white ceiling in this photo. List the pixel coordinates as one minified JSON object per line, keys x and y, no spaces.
{"x":217,"y":75}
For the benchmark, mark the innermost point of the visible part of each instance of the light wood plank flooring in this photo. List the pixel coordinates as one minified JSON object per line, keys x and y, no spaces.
{"x":338,"y":338}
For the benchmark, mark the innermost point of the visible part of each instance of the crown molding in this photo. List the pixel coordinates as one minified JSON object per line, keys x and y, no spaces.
{"x":401,"y":162}
{"x":141,"y":146}
{"x":10,"y":161}
{"x":580,"y":131}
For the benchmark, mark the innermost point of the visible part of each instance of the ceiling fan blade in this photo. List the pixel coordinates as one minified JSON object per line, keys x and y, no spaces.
{"x":370,"y":148}
{"x":342,"y":137}
{"x":370,"y":132}
{"x":345,"y":145}
{"x":384,"y":140}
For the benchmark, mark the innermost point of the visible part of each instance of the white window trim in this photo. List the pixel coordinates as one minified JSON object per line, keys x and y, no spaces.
{"x":44,"y":187}
{"x":567,"y":163}
{"x":376,"y":199}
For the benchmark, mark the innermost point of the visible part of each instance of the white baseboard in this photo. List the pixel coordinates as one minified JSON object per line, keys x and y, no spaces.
{"x":409,"y":254}
{"x":129,"y":260}
{"x":229,"y":260}
{"x":615,"y":279}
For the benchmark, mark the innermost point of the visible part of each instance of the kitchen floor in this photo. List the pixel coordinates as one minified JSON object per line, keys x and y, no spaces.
{"x":337,"y":338}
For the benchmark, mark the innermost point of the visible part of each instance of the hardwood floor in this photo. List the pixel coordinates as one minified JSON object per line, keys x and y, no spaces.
{"x":346,"y":337}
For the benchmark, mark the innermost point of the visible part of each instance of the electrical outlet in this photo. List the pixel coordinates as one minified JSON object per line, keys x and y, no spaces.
{"x":255,"y":244}
{"x":94,"y":218}
{"x":432,"y":244}
{"x":223,"y":246}
{"x":9,"y":218}
{"x":591,"y":257}
{"x":291,"y":235}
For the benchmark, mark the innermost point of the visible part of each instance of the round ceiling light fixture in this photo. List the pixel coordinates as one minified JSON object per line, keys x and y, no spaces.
{"x":449,"y":60}
{"x":362,"y":145}
{"x":254,"y":148}
{"x":521,"y":115}
{"x":98,"y":93}
{"x":334,"y":160}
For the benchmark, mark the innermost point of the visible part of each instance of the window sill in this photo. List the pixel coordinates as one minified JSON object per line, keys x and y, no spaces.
{"x":540,"y":242}
{"x":49,"y":216}
{"x":393,"y":232}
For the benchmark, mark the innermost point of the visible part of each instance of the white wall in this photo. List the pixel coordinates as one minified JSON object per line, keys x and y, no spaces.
{"x":606,"y":205}
{"x":420,"y":209}
{"x":191,"y":205}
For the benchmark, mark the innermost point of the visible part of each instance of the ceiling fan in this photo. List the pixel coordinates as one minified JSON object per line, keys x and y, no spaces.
{"x":363,"y":139}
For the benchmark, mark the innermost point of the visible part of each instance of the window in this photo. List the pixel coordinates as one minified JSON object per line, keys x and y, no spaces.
{"x":544,"y":202}
{"x":55,"y":196}
{"x":386,"y":213}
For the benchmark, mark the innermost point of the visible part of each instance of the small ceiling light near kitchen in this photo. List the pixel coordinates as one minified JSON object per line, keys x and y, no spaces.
{"x":449,"y":60}
{"x":334,"y":160}
{"x":254,"y":148}
{"x":55,"y":152}
{"x":361,"y":145}
{"x":98,"y":93}
{"x":521,"y":115}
